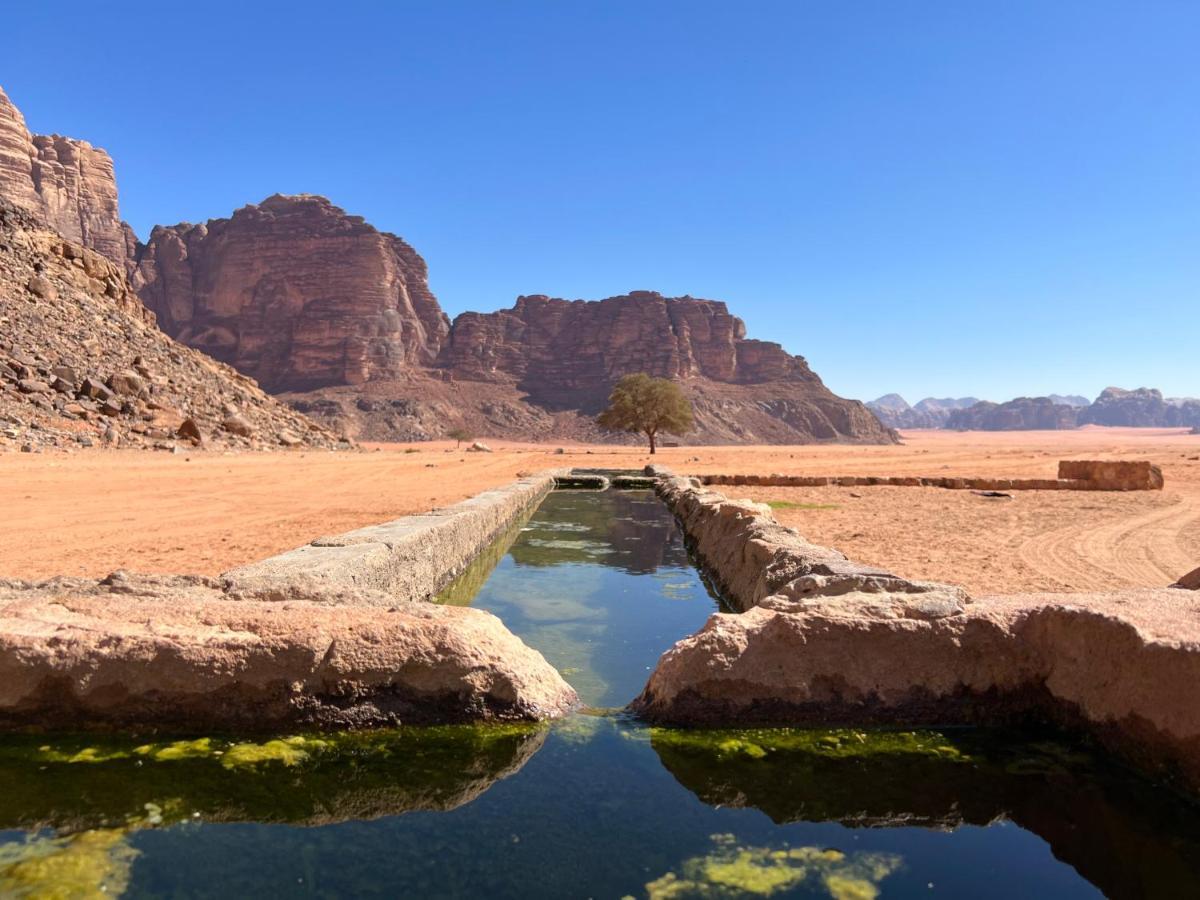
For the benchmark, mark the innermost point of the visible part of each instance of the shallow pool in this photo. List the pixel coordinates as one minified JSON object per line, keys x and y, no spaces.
{"x":597,"y":805}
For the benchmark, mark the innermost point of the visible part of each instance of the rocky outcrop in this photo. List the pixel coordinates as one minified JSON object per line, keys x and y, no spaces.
{"x":68,"y":184}
{"x":295,"y":293}
{"x":1190,"y":581}
{"x":932,"y":412}
{"x":182,"y":653}
{"x":1142,"y":408}
{"x":1021,"y":414}
{"x":82,"y":363}
{"x":567,"y":354}
{"x":825,"y":641}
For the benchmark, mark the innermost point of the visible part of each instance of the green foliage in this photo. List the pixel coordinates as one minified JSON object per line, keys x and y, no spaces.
{"x":640,"y":404}
{"x":458,"y":435}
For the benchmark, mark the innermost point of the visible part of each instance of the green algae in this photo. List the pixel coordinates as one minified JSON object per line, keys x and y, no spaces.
{"x":731,"y":870}
{"x":842,"y":743}
{"x":83,"y":782}
{"x":91,"y":864}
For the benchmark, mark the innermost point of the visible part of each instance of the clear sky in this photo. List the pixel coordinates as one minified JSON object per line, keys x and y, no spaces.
{"x":947,"y":198}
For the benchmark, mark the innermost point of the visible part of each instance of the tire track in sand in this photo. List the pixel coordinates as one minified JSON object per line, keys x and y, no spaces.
{"x":1150,"y":549}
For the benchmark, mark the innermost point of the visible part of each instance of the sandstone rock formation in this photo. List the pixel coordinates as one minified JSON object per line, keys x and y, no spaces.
{"x":179,"y":652}
{"x":932,"y":412}
{"x":294,"y":293}
{"x":1142,"y":408}
{"x":1190,"y":581}
{"x":82,"y":363}
{"x":67,"y":183}
{"x":566,"y":355}
{"x":829,"y":642}
{"x":1021,"y":414}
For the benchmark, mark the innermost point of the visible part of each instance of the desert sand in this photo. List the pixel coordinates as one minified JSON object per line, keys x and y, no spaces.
{"x":90,"y":513}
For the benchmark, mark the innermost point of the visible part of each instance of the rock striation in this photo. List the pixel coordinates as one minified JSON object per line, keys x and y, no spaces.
{"x":180,"y":652}
{"x":69,"y":184}
{"x":295,"y":293}
{"x":82,"y":362}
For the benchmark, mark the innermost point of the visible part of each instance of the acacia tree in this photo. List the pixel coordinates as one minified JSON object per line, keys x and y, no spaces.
{"x":640,"y":404}
{"x":458,"y":435}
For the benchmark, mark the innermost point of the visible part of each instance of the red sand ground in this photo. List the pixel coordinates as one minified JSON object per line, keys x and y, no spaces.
{"x":91,"y":512}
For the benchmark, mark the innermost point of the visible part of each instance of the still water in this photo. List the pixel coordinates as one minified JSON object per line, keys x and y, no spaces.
{"x":597,"y":805}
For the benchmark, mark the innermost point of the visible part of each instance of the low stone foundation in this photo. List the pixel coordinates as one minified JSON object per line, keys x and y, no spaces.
{"x":1073,"y":475}
{"x":826,"y":641}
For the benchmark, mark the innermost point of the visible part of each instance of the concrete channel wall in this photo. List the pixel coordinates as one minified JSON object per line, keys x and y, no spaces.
{"x":410,"y":558}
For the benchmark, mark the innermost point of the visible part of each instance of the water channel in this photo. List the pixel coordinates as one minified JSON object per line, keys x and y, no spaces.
{"x":598,"y":805}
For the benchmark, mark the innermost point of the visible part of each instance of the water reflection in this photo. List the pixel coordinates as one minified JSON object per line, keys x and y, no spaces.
{"x":1127,"y":837}
{"x":74,"y":784}
{"x":585,"y":583}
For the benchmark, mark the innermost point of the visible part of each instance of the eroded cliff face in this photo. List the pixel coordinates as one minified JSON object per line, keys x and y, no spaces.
{"x":295,"y":293}
{"x":555,"y":347}
{"x":68,"y":184}
{"x":567,"y":354}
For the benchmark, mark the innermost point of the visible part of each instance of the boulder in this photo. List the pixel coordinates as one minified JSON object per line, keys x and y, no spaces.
{"x":479,"y":447}
{"x":1190,"y":581}
{"x":190,"y":430}
{"x":41,"y":287}
{"x":178,"y":652}
{"x":237,"y":424}
{"x":127,"y":384}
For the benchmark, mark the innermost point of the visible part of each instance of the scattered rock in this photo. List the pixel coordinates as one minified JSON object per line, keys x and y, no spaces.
{"x":237,"y":424}
{"x":190,"y":430}
{"x":41,"y":287}
{"x":1190,"y":581}
{"x":479,"y":447}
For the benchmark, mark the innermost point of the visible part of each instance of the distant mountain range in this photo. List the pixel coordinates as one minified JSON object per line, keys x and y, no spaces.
{"x":1141,"y":408}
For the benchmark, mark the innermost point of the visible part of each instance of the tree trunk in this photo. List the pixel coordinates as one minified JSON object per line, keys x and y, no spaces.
{"x":650,"y":434}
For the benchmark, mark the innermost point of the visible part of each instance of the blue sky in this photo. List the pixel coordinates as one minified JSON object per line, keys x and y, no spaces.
{"x":948,"y":198}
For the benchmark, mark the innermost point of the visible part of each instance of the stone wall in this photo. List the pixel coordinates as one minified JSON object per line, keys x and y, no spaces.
{"x":1112,"y":475}
{"x":1073,"y":475}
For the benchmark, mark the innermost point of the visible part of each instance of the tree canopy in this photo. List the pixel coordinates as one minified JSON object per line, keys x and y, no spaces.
{"x":640,"y":404}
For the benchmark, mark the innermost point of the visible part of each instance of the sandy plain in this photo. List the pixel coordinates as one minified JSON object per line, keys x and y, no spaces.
{"x":90,"y":513}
